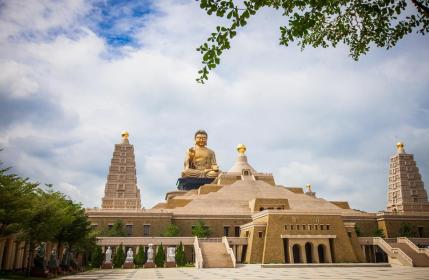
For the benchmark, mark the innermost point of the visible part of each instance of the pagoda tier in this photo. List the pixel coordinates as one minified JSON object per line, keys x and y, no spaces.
{"x":121,"y":191}
{"x":406,"y":192}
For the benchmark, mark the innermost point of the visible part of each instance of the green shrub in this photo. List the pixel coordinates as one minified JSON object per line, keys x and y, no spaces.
{"x":97,"y":257}
{"x":171,"y":230}
{"x":180,"y":255}
{"x":160,"y":257}
{"x":378,"y":232}
{"x":119,"y":258}
{"x":140,"y":258}
{"x":201,"y":230}
{"x":357,"y":230}
{"x":407,"y":230}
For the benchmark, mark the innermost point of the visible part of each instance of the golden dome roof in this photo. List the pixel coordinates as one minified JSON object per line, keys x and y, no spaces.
{"x":125,"y":134}
{"x":241,"y":148}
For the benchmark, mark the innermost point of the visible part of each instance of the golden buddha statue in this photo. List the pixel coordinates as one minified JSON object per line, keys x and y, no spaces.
{"x":200,"y":161}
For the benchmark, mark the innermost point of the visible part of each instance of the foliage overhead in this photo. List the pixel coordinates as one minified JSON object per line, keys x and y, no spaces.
{"x":16,"y":199}
{"x":38,"y":215}
{"x":318,"y":23}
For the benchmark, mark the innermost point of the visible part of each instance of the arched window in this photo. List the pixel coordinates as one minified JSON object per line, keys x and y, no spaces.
{"x":309,"y":252}
{"x":296,"y":250}
{"x":321,"y":252}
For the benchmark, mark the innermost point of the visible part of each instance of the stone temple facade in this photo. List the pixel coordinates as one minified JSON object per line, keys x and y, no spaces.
{"x":406,"y":190}
{"x":264,"y":222}
{"x":254,"y":219}
{"x":121,"y":190}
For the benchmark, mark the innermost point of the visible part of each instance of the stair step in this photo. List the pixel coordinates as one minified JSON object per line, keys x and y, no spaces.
{"x":215,"y":255}
{"x":419,"y":259}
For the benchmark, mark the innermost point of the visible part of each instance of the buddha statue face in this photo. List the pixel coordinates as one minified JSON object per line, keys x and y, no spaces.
{"x":201,"y":139}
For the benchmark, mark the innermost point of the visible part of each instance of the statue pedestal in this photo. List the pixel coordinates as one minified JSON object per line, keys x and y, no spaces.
{"x":128,"y":265}
{"x":170,"y":264}
{"x":191,"y":183}
{"x":107,"y":265}
{"x":39,"y":272}
{"x":149,"y":265}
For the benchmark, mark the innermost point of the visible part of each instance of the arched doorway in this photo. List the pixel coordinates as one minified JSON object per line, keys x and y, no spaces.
{"x":296,"y":250}
{"x":309,"y":252}
{"x":321,"y":253}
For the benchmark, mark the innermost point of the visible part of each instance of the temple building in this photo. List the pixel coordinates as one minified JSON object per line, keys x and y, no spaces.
{"x":253,"y":218}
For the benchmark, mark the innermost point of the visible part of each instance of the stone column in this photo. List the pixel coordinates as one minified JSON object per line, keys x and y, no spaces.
{"x":315,"y":253}
{"x":303,"y":254}
{"x":237,"y":253}
{"x":364,"y":253}
{"x":290,"y":246}
{"x":328,"y":252}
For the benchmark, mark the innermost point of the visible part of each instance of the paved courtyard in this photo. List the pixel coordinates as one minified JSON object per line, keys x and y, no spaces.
{"x":256,"y":272}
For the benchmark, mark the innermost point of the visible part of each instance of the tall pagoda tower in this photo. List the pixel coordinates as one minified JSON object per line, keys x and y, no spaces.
{"x":121,"y":190}
{"x":406,"y":192}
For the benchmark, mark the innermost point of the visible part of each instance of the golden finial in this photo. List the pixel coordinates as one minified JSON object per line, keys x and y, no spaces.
{"x":400,"y":147}
{"x":241,"y":148}
{"x":125,"y":135}
{"x":308,"y":188}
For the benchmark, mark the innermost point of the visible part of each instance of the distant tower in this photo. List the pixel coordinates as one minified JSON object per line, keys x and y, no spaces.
{"x":406,"y":192}
{"x":121,"y":190}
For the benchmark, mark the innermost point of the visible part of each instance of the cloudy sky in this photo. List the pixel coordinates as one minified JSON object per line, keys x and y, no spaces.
{"x":74,"y":74}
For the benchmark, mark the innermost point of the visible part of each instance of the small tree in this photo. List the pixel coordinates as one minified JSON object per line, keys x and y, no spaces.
{"x":406,"y":230}
{"x":160,"y":257}
{"x":117,"y":230}
{"x":97,"y":257}
{"x":378,"y":232}
{"x":140,"y":258}
{"x":201,"y":230}
{"x":357,"y":230}
{"x":171,"y":230}
{"x":119,"y":258}
{"x":180,"y":255}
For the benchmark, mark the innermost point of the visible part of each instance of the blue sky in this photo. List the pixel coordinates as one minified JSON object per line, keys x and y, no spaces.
{"x":74,"y":74}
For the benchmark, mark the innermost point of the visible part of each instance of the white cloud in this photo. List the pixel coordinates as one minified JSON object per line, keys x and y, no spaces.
{"x":312,"y":117}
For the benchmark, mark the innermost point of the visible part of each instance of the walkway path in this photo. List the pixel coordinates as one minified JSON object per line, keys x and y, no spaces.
{"x":248,"y":272}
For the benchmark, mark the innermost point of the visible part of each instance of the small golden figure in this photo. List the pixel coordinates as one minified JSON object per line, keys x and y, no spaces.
{"x":200,"y":161}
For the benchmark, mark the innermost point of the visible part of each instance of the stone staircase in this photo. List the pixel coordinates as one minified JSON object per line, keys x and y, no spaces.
{"x":215,"y":255}
{"x":419,"y":259}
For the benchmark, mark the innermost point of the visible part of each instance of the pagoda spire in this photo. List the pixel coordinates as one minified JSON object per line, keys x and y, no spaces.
{"x":406,"y":192}
{"x":121,"y":191}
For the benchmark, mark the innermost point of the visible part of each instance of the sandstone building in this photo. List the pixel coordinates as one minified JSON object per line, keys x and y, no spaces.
{"x":254,"y":219}
{"x":261,"y":221}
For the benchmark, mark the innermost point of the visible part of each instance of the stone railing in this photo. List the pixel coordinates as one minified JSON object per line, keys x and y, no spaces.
{"x":211,"y":239}
{"x":230,"y":251}
{"x":411,"y":213}
{"x":237,"y":240}
{"x":136,"y":241}
{"x":413,"y":246}
{"x":198,"y":254}
{"x":395,"y":253}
